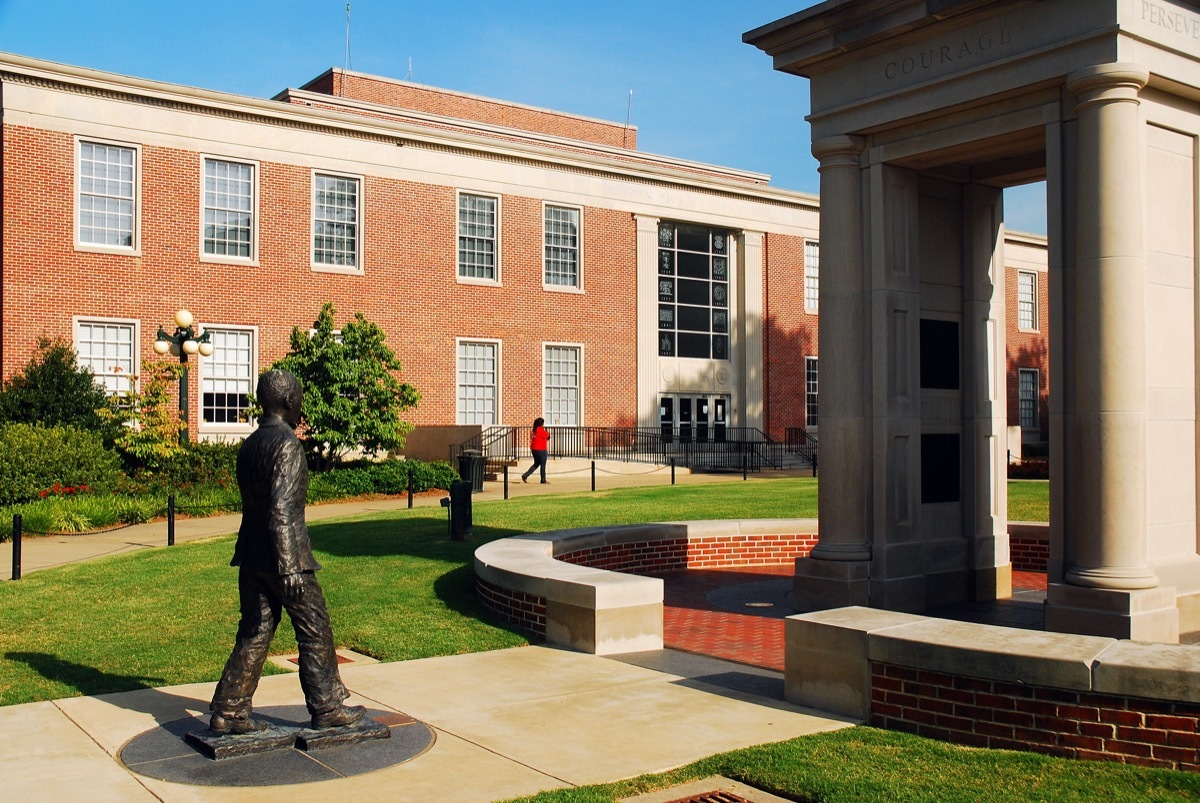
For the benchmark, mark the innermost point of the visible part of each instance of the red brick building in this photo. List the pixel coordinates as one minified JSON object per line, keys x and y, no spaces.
{"x":522,"y":261}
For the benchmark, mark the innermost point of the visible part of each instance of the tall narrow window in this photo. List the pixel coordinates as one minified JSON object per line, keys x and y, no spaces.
{"x":693,"y":292}
{"x":228,"y":375}
{"x":228,"y":209}
{"x":478,"y":381}
{"x":561,"y":397}
{"x":810,"y":392}
{"x":561,"y":227}
{"x":1028,"y":390}
{"x":107,"y":183}
{"x":109,"y":348}
{"x":336,"y":213}
{"x":812,"y":276}
{"x":477,"y":237}
{"x":1027,"y":312}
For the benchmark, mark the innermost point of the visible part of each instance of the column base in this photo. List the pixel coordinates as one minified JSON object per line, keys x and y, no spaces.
{"x":993,"y":583}
{"x":1138,"y":615}
{"x":823,"y":584}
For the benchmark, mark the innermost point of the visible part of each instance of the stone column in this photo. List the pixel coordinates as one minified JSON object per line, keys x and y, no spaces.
{"x":836,"y":573}
{"x":1106,"y":460}
{"x":1109,"y":589}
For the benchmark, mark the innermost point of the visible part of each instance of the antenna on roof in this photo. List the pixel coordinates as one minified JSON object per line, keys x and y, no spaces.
{"x":628,"y":112}
{"x":347,"y":47}
{"x":409,"y":68}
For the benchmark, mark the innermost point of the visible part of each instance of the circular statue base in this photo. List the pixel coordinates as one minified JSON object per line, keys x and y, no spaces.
{"x":164,"y":753}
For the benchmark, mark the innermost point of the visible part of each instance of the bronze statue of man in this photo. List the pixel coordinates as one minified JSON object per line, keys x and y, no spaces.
{"x":276,"y":571}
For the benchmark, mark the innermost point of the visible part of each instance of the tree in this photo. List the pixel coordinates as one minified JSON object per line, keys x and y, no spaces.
{"x":148,"y":424}
{"x":54,"y":390}
{"x":352,"y":398}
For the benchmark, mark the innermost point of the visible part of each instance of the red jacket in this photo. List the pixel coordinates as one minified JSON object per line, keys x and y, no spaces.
{"x":539,"y":439}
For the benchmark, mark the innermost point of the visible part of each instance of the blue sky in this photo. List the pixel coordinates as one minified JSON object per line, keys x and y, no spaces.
{"x":698,"y":92}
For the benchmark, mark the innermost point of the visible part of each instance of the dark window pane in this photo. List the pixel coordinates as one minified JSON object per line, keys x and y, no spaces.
{"x":666,"y":263}
{"x":693,"y":265}
{"x":720,"y":269}
{"x":720,"y":321}
{"x":720,"y":347}
{"x":666,"y":234}
{"x":666,"y":290}
{"x":694,"y":346}
{"x":939,"y":468}
{"x":694,"y":319}
{"x":720,"y":295}
{"x":666,"y":344}
{"x":720,"y":241}
{"x":939,"y":354}
{"x":690,"y":292}
{"x":693,"y":238}
{"x":666,"y":316}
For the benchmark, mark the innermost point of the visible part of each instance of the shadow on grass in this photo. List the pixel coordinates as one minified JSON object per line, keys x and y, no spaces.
{"x":83,"y":679}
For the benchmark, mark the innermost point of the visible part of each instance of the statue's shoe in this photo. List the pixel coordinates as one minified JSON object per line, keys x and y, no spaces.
{"x":338,"y":717}
{"x":237,"y":725}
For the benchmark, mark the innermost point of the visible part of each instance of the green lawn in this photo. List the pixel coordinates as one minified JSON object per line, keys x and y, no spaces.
{"x":1028,"y":500}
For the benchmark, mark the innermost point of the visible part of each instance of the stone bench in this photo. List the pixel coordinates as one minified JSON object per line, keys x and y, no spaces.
{"x":584,"y":588}
{"x":987,"y":686}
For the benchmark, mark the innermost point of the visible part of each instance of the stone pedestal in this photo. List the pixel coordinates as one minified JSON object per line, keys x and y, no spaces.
{"x":1146,"y":614}
{"x":823,"y":584}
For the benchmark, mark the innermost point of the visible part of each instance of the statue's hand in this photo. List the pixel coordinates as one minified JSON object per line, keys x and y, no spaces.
{"x":292,"y":585}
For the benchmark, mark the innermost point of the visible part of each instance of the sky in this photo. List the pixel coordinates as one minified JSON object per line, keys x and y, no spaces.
{"x":699,"y":93}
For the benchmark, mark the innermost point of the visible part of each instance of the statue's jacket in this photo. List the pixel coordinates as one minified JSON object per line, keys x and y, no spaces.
{"x":273,"y":479}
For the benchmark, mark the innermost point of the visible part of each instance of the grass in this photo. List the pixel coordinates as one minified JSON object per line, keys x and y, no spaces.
{"x":862,"y":763}
{"x":1028,"y":500}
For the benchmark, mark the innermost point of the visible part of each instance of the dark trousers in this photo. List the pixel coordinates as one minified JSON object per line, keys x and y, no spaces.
{"x":539,"y":460}
{"x":262,"y":597}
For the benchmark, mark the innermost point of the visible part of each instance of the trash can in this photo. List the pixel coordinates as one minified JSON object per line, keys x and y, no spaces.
{"x":471,"y":465}
{"x":459,"y":504}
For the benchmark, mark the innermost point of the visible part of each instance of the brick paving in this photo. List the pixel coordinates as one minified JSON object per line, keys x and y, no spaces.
{"x":692,"y":623}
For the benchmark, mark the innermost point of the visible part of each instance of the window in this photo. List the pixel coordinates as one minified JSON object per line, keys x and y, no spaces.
{"x":810,"y":392}
{"x":229,"y":210}
{"x":693,"y":292}
{"x":561,"y":397}
{"x":227,"y":378}
{"x":108,"y":191}
{"x":478,"y":382}
{"x":1028,"y":387}
{"x":812,"y":275}
{"x":1027,"y":316}
{"x":336,"y":213}
{"x":478,"y":225}
{"x":108,"y":347}
{"x":561,"y":246}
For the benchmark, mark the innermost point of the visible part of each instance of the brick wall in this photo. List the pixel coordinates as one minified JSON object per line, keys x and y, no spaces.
{"x":524,"y":611}
{"x":1010,"y":716}
{"x":1028,"y":554}
{"x":1028,"y":349}
{"x":789,"y":334}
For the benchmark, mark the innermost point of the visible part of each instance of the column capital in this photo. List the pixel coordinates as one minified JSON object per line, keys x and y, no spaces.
{"x":842,"y":150}
{"x":1115,"y":81}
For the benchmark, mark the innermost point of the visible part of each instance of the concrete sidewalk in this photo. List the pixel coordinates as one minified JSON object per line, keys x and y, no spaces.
{"x":506,"y":723}
{"x":565,"y":476}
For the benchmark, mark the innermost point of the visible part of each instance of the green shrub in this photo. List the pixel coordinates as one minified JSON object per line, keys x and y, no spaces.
{"x":388,"y":477}
{"x":34,"y":458}
{"x":53,"y":390}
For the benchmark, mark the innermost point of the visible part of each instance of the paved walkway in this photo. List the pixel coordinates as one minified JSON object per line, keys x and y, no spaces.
{"x":506,"y":723}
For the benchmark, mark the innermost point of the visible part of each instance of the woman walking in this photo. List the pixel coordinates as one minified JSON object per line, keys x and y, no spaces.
{"x":539,"y":444}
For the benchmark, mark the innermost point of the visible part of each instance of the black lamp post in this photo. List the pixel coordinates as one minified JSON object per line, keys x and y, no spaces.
{"x":183,"y":342}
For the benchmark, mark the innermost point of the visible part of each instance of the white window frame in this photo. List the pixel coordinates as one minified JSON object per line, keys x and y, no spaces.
{"x":496,"y":267}
{"x":251,"y":260}
{"x":204,"y":374}
{"x":135,"y":246}
{"x":811,"y":397}
{"x":1036,"y":401}
{"x":546,"y":412}
{"x":498,"y":388}
{"x":564,"y":288}
{"x":1032,"y":302}
{"x":135,"y":328}
{"x":359,"y":224}
{"x":812,"y":276}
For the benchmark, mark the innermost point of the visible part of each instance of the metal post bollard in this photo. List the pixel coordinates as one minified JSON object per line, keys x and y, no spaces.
{"x":410,"y":489}
{"x":672,"y":470}
{"x":171,"y":520}
{"x":506,"y":481}
{"x":593,"y":475}
{"x":458,"y":505}
{"x":16,"y":536}
{"x":743,"y":464}
{"x":814,"y":464}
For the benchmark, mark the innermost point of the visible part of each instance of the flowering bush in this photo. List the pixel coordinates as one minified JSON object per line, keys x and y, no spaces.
{"x":36,"y":458}
{"x":58,"y":489}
